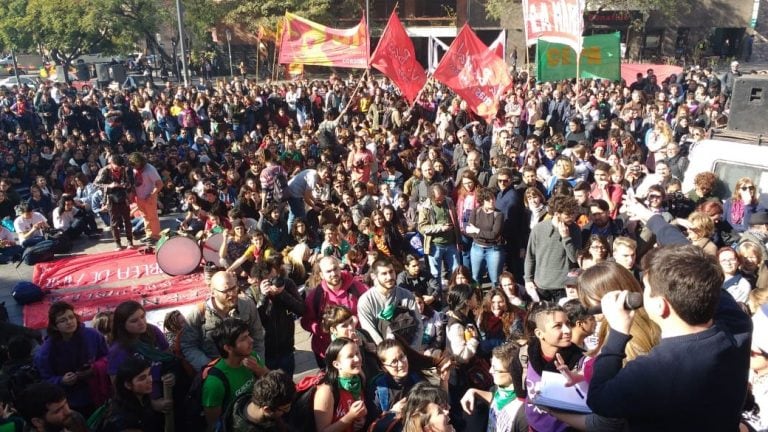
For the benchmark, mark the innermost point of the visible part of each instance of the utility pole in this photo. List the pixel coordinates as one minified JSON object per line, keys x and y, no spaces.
{"x":229,"y":48}
{"x":184,"y":72}
{"x":15,"y":66}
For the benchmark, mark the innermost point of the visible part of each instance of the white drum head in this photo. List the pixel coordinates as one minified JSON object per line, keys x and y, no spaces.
{"x":179,"y":256}
{"x":211,"y":247}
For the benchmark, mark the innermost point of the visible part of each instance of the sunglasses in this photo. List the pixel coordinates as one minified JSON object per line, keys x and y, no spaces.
{"x":748,"y":188}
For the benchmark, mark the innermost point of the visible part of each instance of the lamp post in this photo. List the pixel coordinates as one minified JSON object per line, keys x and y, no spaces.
{"x":229,"y":48}
{"x":181,"y":44}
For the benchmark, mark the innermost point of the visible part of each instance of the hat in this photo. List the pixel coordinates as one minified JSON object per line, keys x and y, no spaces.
{"x":572,"y":278}
{"x":600,"y":143}
{"x":759,"y":218}
{"x":540,"y":124}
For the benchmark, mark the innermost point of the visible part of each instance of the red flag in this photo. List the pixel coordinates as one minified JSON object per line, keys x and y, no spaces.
{"x":396,"y":58}
{"x":498,"y":46}
{"x":474,"y":73}
{"x":307,"y":42}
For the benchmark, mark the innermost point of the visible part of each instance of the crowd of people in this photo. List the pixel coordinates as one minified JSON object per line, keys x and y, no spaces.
{"x":442,"y":263}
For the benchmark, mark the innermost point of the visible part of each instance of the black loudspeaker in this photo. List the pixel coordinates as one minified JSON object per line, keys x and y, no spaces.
{"x":102,"y":72}
{"x":81,"y":70}
{"x":117,"y":73}
{"x":749,"y":104}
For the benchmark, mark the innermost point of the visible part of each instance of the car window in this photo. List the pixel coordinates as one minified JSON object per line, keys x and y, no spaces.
{"x":729,"y":173}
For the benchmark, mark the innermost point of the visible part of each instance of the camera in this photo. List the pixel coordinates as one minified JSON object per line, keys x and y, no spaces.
{"x":277,"y":282}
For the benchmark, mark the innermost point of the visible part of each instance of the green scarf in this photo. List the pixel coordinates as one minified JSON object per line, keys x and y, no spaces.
{"x":501,"y":397}
{"x":388,"y":312}
{"x":353,"y":385}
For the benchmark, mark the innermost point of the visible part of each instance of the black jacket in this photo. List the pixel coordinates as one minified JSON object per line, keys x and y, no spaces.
{"x":278,"y":315}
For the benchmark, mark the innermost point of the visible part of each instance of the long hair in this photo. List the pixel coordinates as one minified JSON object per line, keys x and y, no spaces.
{"x":607,"y":276}
{"x":418,"y":363}
{"x":415,"y":418}
{"x":506,"y":318}
{"x":331,"y":354}
{"x":124,"y":311}
{"x":128,"y":370}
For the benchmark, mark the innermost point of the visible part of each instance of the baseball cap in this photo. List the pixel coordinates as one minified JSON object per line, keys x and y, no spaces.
{"x":572,"y":278}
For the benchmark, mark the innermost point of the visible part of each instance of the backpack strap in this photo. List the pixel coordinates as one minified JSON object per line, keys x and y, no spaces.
{"x":522,"y":355}
{"x":317,"y":299}
{"x":211,"y":370}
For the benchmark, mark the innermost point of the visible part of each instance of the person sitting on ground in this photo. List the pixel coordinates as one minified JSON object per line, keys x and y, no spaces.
{"x":262,"y":410}
{"x":343,"y":377}
{"x":234,"y":373}
{"x":503,"y":398}
{"x":132,"y":407}
{"x":45,"y":408}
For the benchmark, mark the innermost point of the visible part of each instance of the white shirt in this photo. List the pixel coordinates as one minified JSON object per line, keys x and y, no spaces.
{"x":22,"y":225}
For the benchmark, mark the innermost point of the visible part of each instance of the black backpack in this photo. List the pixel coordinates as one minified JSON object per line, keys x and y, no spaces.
{"x":388,"y":422}
{"x":193,"y":404}
{"x":404,"y":323}
{"x":301,"y":417}
{"x":41,"y":252}
{"x":15,"y":379}
{"x":280,"y":188}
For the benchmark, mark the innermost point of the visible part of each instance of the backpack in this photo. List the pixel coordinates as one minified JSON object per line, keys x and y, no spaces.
{"x":404,"y":324}
{"x":388,"y":422}
{"x":193,"y":405}
{"x":280,"y":187}
{"x":41,"y":252}
{"x":318,"y":294}
{"x":27,"y":292}
{"x":302,"y":414}
{"x":15,"y":379}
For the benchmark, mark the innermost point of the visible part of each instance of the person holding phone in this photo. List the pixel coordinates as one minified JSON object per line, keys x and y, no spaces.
{"x":552,"y":250}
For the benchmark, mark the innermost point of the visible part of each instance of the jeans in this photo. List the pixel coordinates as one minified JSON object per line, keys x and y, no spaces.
{"x":466,"y":247}
{"x":442,"y":254}
{"x":10,"y":252}
{"x":492,"y":257}
{"x":31,"y":241}
{"x":296,"y":209}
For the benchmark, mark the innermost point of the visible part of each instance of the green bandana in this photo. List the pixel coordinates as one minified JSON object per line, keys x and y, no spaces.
{"x":501,"y":397}
{"x":388,"y":312}
{"x":352,"y":384}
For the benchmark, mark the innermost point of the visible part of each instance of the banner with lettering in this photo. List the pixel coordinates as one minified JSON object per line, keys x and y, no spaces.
{"x":600,"y":58}
{"x":474,"y":72}
{"x":395,"y":57}
{"x":560,"y":21}
{"x":307,"y":42}
{"x":95,"y":283}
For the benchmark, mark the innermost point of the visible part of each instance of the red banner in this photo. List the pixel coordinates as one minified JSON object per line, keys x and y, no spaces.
{"x":629,"y":71}
{"x":560,"y":21}
{"x":474,"y":72}
{"x":497,"y":46}
{"x":95,"y":283}
{"x":307,"y":42}
{"x":396,"y":58}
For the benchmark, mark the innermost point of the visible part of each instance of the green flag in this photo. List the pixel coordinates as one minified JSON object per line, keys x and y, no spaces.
{"x":600,"y":58}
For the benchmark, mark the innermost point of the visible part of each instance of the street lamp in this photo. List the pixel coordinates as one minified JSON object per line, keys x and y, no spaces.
{"x":229,"y":48}
{"x":181,"y":44}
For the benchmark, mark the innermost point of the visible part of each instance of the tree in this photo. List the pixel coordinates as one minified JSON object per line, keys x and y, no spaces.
{"x":13,"y":29}
{"x":498,"y":9}
{"x":268,"y":12}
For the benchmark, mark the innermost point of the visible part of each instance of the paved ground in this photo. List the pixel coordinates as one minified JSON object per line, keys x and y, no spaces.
{"x":10,"y":274}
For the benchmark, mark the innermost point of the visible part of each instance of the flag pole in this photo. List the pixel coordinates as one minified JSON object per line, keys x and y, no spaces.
{"x":275,"y":74}
{"x":354,"y":93}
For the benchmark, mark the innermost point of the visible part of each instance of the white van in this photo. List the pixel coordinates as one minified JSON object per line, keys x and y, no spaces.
{"x":730,"y":156}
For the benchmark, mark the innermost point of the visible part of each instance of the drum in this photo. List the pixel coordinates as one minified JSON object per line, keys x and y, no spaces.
{"x":211,"y":247}
{"x":178,"y":255}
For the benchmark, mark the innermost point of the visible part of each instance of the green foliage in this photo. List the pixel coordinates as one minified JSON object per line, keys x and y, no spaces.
{"x":268,"y":12}
{"x":497,"y":9}
{"x":13,"y":24}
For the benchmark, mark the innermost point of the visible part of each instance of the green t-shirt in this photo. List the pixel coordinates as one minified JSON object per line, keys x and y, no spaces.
{"x":240,"y":381}
{"x":442,"y":217}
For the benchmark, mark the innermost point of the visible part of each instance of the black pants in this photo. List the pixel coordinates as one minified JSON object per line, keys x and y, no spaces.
{"x":120,"y":218}
{"x":552,"y":295}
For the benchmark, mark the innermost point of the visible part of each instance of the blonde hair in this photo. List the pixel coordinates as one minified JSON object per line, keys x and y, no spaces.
{"x":607,"y":276}
{"x":624,"y":241}
{"x":702,"y":224}
{"x":563,"y":167}
{"x":757,"y":298}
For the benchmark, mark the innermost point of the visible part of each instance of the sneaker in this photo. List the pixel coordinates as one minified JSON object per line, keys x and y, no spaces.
{"x":151,"y":241}
{"x":119,"y":248}
{"x":94,"y":236}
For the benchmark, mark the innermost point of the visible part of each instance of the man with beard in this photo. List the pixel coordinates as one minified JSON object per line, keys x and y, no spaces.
{"x":336,"y":288}
{"x":45,"y":408}
{"x":262,"y":410}
{"x":384,"y":301}
{"x":197,"y":343}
